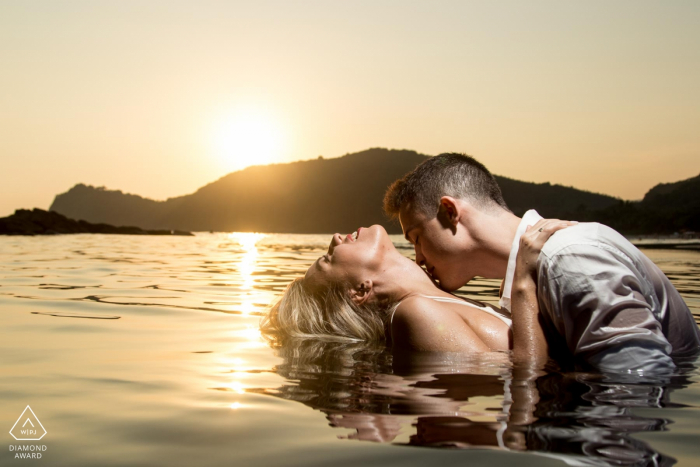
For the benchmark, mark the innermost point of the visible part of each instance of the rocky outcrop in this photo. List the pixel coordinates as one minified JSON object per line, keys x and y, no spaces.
{"x":40,"y":222}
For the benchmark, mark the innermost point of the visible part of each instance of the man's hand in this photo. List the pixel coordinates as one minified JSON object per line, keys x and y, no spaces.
{"x":532,"y":242}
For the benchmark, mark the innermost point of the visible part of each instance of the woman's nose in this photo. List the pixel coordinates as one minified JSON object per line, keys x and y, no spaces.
{"x":336,"y":240}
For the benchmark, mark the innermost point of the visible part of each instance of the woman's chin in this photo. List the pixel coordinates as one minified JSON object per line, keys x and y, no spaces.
{"x":374,"y":232}
{"x":377,"y":227}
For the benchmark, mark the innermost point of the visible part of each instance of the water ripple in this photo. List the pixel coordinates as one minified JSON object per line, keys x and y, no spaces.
{"x":236,"y":273}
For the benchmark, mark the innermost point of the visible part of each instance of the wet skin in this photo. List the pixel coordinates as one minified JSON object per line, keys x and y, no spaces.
{"x":419,"y":323}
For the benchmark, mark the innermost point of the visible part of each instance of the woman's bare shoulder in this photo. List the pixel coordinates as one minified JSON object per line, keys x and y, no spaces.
{"x":414,"y":303}
{"x":417,"y":309}
{"x":421,"y":323}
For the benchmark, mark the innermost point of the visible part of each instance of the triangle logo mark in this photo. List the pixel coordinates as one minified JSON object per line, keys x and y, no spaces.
{"x":28,"y":427}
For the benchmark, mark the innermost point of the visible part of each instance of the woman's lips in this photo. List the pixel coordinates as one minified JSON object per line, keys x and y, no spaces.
{"x":353,"y":236}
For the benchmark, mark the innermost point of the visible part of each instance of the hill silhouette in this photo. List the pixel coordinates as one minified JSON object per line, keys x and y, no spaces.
{"x":320,"y":195}
{"x":666,"y":208}
{"x":313,"y":196}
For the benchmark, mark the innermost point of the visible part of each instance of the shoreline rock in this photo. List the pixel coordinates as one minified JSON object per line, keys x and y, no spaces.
{"x":40,"y":222}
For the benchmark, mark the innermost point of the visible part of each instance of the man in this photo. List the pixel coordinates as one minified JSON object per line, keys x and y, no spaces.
{"x":601,"y":301}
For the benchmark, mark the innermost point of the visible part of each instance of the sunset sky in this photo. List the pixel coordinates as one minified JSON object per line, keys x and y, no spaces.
{"x":159,"y":98}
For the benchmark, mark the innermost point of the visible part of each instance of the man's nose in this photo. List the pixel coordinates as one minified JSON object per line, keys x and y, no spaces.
{"x":420,"y":259}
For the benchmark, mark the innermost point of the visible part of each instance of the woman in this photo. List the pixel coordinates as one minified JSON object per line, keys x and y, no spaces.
{"x":364,"y":289}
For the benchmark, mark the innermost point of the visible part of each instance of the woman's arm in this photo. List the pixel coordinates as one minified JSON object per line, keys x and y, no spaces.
{"x":529,"y":342}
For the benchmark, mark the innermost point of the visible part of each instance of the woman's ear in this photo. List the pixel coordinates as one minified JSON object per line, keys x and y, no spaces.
{"x":361,"y":292}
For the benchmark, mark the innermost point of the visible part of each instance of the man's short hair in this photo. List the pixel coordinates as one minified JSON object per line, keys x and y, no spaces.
{"x":450,"y":174}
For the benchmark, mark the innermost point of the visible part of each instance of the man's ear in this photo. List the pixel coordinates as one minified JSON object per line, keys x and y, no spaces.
{"x":450,"y":211}
{"x":361,"y":292}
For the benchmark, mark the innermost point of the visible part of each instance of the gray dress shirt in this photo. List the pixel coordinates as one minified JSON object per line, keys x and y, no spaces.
{"x":605,"y":303}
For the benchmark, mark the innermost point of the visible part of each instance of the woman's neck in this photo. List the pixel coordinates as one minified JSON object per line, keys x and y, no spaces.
{"x":400,"y":277}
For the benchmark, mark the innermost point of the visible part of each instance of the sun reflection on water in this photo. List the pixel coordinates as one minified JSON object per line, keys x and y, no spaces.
{"x":183,"y":335}
{"x":251,"y":336}
{"x":236,"y":386}
{"x":246,"y":267}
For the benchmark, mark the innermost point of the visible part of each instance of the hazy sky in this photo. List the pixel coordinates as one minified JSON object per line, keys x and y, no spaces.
{"x":160,"y":98}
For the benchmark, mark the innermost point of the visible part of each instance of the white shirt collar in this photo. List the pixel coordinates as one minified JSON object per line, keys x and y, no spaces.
{"x":529,"y":218}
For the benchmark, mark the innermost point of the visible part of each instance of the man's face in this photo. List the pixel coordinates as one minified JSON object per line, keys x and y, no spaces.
{"x":440,"y":246}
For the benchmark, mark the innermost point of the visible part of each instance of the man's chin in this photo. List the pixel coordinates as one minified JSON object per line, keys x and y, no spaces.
{"x":442,"y":285}
{"x":451,"y":285}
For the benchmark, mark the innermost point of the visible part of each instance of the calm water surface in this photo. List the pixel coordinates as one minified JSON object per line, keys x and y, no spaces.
{"x":146,"y":351}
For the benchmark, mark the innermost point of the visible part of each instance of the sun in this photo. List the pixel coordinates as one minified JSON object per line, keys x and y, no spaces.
{"x":248,"y":139}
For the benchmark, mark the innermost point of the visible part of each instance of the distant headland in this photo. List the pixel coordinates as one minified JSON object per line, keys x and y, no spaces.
{"x":40,"y":222}
{"x":340,"y":194}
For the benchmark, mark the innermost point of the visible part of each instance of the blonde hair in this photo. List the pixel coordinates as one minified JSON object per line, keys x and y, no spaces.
{"x":327,"y":314}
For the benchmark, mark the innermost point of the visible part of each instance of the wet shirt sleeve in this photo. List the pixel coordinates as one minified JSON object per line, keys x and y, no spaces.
{"x":601,"y":303}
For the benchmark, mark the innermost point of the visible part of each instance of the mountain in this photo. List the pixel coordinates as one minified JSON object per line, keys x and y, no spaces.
{"x":97,"y":204}
{"x":320,"y":195}
{"x":676,"y":206}
{"x":313,"y":196}
{"x":666,"y":208}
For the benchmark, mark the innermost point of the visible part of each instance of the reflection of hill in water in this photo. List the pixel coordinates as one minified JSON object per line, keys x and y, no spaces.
{"x":466,"y":402}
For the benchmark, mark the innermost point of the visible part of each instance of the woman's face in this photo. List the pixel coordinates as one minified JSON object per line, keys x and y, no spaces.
{"x":352,"y":258}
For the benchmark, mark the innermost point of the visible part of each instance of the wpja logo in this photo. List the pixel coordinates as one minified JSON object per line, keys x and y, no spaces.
{"x":28,"y":428}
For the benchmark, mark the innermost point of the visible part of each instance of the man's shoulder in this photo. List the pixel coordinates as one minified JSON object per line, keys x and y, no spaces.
{"x":586,"y":237}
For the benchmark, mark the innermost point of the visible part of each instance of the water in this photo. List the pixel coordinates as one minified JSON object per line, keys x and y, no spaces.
{"x":145,"y":351}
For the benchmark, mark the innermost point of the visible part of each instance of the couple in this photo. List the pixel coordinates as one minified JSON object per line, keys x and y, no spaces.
{"x":580,"y":293}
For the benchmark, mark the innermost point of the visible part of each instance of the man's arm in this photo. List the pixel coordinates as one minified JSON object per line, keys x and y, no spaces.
{"x":529,"y":341}
{"x":597,"y":300}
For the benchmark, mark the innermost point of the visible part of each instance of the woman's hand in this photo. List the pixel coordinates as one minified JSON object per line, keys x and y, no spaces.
{"x":531,"y":244}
